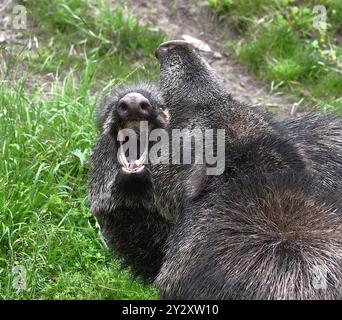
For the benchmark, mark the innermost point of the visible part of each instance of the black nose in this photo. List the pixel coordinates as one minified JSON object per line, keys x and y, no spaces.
{"x":134,"y":105}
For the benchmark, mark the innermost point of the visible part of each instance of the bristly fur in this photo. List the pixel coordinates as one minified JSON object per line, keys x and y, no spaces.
{"x":319,"y":139}
{"x":105,"y":116}
{"x":124,"y":206}
{"x":260,"y":229}
{"x":263,"y":236}
{"x":267,"y":228}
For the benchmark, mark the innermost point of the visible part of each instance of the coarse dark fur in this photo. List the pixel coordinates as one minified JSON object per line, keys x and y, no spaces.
{"x":269,"y":237}
{"x":319,"y":139}
{"x":261,"y":230}
{"x":265,"y":226}
{"x":124,"y":204}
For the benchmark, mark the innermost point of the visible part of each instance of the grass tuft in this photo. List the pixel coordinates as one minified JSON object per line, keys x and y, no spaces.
{"x":283,"y":44}
{"x":47,"y":233}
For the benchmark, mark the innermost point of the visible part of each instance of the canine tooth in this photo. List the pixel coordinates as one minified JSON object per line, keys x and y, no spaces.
{"x":143,"y":157}
{"x":122,"y":158}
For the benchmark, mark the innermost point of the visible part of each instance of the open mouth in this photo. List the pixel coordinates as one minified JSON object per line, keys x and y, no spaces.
{"x":134,"y":166}
{"x":129,"y":165}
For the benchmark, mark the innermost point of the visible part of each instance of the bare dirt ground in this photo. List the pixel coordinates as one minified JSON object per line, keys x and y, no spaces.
{"x":176,"y":18}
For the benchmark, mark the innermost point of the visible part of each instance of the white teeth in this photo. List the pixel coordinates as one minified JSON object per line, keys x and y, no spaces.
{"x":143,"y":157}
{"x":122,"y":158}
{"x":138,"y":164}
{"x":133,"y":170}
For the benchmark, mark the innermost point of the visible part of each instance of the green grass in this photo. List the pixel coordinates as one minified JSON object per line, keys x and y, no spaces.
{"x":47,"y":130}
{"x":281,"y":44}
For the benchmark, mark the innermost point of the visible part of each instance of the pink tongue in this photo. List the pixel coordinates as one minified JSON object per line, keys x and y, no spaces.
{"x":132,"y":165}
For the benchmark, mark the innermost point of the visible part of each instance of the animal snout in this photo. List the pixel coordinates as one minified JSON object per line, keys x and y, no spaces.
{"x":134,"y":106}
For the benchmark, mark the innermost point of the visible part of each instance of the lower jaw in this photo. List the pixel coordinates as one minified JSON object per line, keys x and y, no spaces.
{"x":135,"y":185}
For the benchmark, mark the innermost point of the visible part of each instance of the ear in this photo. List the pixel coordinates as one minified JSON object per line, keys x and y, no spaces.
{"x":166,"y":46}
{"x":166,"y":115}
